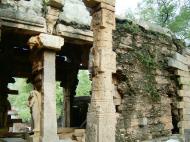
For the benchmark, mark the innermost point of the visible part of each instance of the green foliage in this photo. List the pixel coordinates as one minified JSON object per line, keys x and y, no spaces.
{"x":149,"y":65}
{"x":172,"y":14}
{"x":146,"y":59}
{"x":84,"y":86}
{"x":132,"y":28}
{"x":59,"y":100}
{"x":19,"y":102}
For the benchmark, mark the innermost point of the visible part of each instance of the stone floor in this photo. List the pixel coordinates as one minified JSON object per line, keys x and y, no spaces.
{"x":12,"y":140}
{"x":173,"y":138}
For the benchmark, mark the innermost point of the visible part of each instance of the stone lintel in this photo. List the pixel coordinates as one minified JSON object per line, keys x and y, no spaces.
{"x":46,"y":41}
{"x":58,"y":4}
{"x":95,"y":3}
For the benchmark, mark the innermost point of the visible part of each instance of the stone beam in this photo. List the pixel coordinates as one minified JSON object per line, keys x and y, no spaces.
{"x":43,"y":54}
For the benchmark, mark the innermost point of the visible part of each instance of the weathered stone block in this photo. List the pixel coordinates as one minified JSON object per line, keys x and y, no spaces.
{"x":161,"y":80}
{"x":184,"y":93}
{"x":103,"y":19}
{"x":186,"y":117}
{"x":186,"y":98}
{"x":186,"y":111}
{"x":182,"y":73}
{"x":184,"y":80}
{"x":176,"y":64}
{"x":186,"y":51}
{"x":184,"y":124}
{"x":183,"y":105}
{"x":181,"y":58}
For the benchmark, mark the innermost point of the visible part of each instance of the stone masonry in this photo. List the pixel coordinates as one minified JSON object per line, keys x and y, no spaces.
{"x":181,"y":63}
{"x":148,"y":107}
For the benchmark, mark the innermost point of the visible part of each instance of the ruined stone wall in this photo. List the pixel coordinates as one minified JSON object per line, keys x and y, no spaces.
{"x":146,"y":85}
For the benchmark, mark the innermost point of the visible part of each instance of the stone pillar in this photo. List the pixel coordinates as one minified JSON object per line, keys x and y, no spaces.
{"x":70,"y":86}
{"x":101,"y":118}
{"x":67,"y":107}
{"x":0,"y":30}
{"x":43,"y":53}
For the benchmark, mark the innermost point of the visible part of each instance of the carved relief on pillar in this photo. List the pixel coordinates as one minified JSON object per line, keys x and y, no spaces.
{"x":102,"y":110}
{"x":52,"y":13}
{"x":34,"y":102}
{"x":103,"y":18}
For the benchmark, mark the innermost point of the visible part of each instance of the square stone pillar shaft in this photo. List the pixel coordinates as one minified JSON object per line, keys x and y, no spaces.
{"x":49,"y":120}
{"x":101,"y":118}
{"x":0,"y":30}
{"x":43,"y":55}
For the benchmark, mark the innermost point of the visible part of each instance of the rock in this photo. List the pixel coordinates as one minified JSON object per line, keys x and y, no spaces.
{"x":75,"y":11}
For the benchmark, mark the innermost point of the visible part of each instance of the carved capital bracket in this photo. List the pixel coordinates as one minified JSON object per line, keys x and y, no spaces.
{"x":54,"y":8}
{"x":58,"y":4}
{"x":95,"y":3}
{"x":46,"y":41}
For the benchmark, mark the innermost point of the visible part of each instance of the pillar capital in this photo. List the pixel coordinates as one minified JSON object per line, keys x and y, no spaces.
{"x":95,"y":3}
{"x":58,"y":4}
{"x":46,"y":41}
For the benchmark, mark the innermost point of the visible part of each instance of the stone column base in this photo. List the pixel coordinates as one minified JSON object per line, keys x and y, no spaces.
{"x":50,"y":139}
{"x":34,"y":138}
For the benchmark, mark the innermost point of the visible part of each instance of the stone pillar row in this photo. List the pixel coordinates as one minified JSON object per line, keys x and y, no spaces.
{"x":101,"y":119}
{"x":43,"y":52}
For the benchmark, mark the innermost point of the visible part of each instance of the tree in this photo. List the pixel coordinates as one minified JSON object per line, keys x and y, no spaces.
{"x":19,"y":102}
{"x":172,"y":14}
{"x":84,"y":86}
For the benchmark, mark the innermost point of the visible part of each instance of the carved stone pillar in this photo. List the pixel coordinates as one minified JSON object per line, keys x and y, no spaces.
{"x":43,"y":53}
{"x":53,"y":10}
{"x":101,"y":117}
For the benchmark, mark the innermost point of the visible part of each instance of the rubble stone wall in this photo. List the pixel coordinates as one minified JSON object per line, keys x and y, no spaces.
{"x":145,"y":83}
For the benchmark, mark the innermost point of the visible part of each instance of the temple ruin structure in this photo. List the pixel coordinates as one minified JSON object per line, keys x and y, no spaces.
{"x":140,"y":72}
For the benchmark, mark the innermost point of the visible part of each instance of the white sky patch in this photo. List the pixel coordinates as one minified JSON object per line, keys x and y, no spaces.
{"x":123,"y":5}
